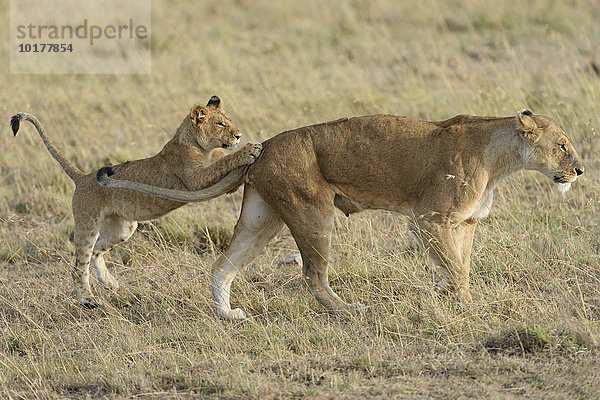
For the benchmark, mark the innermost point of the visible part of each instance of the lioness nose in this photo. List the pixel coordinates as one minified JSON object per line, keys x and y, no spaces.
{"x":579,"y":170}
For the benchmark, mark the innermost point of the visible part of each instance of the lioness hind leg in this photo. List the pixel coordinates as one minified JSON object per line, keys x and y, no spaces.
{"x":256,"y":226}
{"x":311,"y":225}
{"x":113,"y":230}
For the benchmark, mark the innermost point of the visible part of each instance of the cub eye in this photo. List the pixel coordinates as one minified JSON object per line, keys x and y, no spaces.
{"x":222,"y":125}
{"x":563,"y":148}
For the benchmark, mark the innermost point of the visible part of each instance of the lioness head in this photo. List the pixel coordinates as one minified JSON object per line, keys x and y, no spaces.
{"x":210,"y":127}
{"x":548,"y":149}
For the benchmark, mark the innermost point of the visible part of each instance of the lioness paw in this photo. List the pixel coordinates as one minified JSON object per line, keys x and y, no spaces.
{"x":232,"y":315}
{"x":462,"y":295}
{"x":250,"y":153}
{"x":357,"y":307}
{"x":353,"y":308}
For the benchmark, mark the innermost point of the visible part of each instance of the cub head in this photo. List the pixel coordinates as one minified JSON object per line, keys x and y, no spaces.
{"x":548,"y":149}
{"x":210,"y":128}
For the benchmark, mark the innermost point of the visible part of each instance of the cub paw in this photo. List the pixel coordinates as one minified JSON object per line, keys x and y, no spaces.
{"x":110,"y":283}
{"x":250,"y":153}
{"x":90,"y":302}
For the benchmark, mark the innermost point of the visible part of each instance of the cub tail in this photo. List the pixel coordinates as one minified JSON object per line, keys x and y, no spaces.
{"x":66,"y":165}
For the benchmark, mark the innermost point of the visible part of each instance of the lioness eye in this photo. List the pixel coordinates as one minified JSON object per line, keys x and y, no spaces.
{"x":563,"y":148}
{"x":222,"y":125}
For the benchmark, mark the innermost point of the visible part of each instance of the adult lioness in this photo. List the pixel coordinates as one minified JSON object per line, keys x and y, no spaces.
{"x":192,"y":159}
{"x":442,"y":174}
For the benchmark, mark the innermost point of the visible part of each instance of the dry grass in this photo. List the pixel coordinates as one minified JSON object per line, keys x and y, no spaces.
{"x":534,"y":327}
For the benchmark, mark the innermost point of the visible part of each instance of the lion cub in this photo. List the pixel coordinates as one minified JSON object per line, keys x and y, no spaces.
{"x":193,"y":159}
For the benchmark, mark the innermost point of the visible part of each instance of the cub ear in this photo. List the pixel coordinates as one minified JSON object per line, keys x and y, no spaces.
{"x":198,"y":114}
{"x":526,"y":126}
{"x":215,"y":102}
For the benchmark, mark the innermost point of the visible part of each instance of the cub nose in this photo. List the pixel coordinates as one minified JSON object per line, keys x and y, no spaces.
{"x":237,"y":136}
{"x":579,"y":171}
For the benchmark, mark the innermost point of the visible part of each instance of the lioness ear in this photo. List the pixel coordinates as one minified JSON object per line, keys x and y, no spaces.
{"x":198,"y":114}
{"x":215,"y":102}
{"x":526,"y":126}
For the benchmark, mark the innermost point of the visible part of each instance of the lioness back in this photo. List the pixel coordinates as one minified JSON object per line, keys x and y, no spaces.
{"x":369,"y":146}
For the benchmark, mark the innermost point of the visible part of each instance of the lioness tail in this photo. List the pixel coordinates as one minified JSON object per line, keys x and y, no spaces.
{"x":66,"y":165}
{"x":225,"y":184}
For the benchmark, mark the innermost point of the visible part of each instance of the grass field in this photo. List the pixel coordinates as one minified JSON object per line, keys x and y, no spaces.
{"x":533,"y":330}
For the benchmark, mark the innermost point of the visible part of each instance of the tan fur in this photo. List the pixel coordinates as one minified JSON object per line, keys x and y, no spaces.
{"x":192,"y":160}
{"x":441,"y":174}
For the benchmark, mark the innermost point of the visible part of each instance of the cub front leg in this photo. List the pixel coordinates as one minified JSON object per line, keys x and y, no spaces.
{"x":246,"y":155}
{"x":196,"y":178}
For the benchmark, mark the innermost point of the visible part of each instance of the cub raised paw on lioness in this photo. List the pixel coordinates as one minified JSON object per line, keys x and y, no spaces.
{"x":194,"y":159}
{"x":441,"y":174}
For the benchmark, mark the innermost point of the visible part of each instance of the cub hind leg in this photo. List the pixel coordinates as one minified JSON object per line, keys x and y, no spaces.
{"x":85,"y":236}
{"x":113,"y":230}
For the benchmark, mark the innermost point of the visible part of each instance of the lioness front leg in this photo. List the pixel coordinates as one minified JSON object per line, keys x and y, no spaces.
{"x":199,"y":178}
{"x":438,"y":241}
{"x":463,"y":238}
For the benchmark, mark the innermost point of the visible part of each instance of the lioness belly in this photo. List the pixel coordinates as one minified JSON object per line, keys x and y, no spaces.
{"x":350,"y":201}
